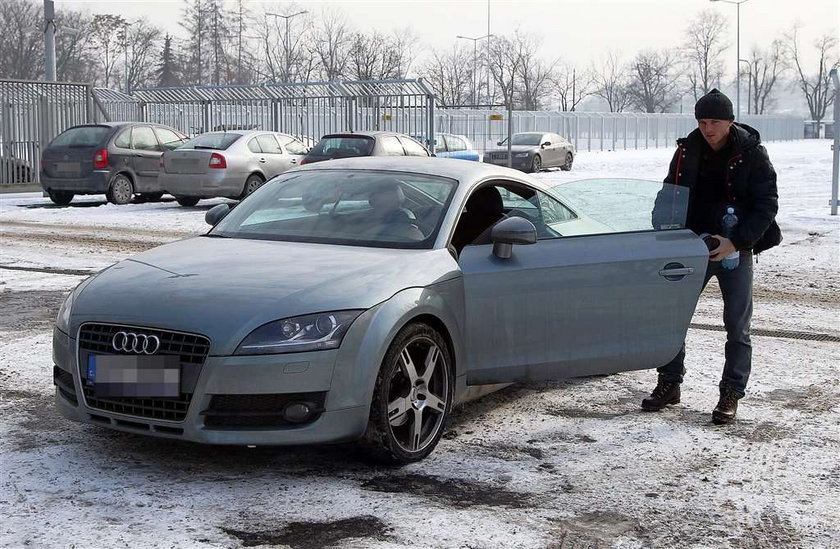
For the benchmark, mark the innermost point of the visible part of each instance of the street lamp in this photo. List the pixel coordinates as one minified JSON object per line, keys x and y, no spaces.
{"x":737,"y":52}
{"x":286,"y":41}
{"x":475,"y":61}
{"x":749,"y":83}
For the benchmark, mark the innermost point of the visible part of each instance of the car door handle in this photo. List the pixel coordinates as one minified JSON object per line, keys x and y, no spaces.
{"x":675,"y":271}
{"x":262,"y":160}
{"x":294,"y":160}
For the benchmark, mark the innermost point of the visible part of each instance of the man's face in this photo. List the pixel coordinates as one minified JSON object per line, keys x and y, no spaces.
{"x":714,"y":131}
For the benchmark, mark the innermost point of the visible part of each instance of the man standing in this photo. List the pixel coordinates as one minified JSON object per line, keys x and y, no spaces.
{"x":723,"y":164}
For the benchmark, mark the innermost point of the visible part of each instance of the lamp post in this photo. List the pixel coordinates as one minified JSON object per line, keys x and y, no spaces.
{"x":749,"y":83}
{"x":475,"y":62}
{"x":737,"y":52}
{"x":286,"y":41}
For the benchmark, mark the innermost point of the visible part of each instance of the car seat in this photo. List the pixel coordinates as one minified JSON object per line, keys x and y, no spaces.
{"x":483,"y":209}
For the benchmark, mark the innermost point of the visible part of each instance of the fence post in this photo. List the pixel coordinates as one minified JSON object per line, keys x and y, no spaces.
{"x":836,"y":168}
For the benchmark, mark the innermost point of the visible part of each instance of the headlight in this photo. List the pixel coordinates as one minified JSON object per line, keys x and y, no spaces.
{"x":301,"y":333}
{"x":62,"y":320}
{"x":521,"y":155}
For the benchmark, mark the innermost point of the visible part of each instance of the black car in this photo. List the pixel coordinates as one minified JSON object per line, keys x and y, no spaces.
{"x":346,"y":145}
{"x":119,"y":159}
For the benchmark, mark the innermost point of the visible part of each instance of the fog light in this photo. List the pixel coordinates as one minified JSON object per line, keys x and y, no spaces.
{"x":297,"y":412}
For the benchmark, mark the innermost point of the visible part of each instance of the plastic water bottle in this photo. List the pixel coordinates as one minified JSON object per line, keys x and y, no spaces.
{"x":728,"y":224}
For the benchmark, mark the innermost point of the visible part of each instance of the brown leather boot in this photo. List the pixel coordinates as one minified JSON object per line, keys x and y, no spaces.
{"x":665,"y":393}
{"x":726,"y":407}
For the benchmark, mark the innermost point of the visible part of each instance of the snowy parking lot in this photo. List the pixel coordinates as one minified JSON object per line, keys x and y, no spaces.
{"x":553,"y":465}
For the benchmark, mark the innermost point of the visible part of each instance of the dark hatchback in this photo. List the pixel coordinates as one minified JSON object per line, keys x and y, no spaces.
{"x":119,"y":159}
{"x":351,"y":144}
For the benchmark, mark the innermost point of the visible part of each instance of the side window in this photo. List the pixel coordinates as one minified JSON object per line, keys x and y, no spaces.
{"x":533,"y":205}
{"x":413,"y":148}
{"x":253,"y":146}
{"x":123,"y":140}
{"x":456,"y":144}
{"x":268,"y":144}
{"x":168,"y":139}
{"x":553,"y":211}
{"x":293,"y":146}
{"x":391,"y":146}
{"x":143,"y":139}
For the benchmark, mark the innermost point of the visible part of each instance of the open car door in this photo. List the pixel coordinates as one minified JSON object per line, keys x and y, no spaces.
{"x":611,"y":284}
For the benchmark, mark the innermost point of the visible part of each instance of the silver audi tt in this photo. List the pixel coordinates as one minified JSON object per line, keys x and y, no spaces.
{"x":362,"y":299}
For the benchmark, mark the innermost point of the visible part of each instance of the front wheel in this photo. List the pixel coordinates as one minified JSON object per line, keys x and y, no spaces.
{"x":536,"y":164}
{"x":412,"y":398}
{"x":187,"y":201}
{"x":121,"y":190}
{"x":567,"y":165}
{"x":62,"y":198}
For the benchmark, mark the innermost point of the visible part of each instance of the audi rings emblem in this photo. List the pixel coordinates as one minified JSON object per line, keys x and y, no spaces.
{"x":135,"y":343}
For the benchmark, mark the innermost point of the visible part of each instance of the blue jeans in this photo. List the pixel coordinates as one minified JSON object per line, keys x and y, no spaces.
{"x":736,"y":289}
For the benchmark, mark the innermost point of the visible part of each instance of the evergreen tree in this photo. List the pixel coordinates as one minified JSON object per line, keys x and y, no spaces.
{"x":168,"y":73}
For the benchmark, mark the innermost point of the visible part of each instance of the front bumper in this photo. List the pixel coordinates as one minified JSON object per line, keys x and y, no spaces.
{"x":523,"y":164}
{"x":216,"y":182}
{"x":94,"y":183}
{"x":269,"y":378}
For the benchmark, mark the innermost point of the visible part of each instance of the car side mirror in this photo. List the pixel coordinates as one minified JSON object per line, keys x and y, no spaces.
{"x":499,"y":143}
{"x":546,"y":144}
{"x":216,"y":214}
{"x":510,"y":231}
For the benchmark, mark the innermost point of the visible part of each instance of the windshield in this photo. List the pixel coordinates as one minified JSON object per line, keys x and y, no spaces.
{"x":349,"y":207}
{"x":82,"y":136}
{"x":343,"y":146}
{"x":526,"y":139}
{"x":215,"y":141}
{"x":626,"y":205}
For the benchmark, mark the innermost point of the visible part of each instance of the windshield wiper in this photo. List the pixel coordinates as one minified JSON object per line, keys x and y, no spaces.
{"x":215,"y":235}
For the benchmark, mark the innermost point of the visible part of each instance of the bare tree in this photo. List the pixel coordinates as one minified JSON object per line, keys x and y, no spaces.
{"x":505,"y":60}
{"x":108,"y":38}
{"x":704,"y":50}
{"x":332,"y":39}
{"x":535,"y":75}
{"x":195,"y":22}
{"x":20,"y":40}
{"x":284,"y":57}
{"x":142,"y":42}
{"x":450,"y":75}
{"x":375,"y":56}
{"x":610,"y":82}
{"x":652,"y":83}
{"x":765,"y":68}
{"x":572,"y":86}
{"x":816,"y":87}
{"x":241,"y":73}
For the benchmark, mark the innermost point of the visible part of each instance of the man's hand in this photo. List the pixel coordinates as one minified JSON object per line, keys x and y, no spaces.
{"x":725,"y":248}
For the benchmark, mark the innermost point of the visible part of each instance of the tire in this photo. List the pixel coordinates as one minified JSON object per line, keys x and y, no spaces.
{"x":536,"y":164}
{"x":62,"y":198}
{"x":187,"y":201}
{"x":567,"y":166}
{"x":400,"y":405}
{"x":253,"y":183}
{"x":121,"y":190}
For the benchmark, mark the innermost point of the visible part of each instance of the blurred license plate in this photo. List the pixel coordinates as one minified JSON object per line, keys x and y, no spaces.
{"x":69,"y":167}
{"x":134,"y":376}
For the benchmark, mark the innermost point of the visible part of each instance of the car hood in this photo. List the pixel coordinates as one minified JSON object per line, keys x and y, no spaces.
{"x":225,"y":288}
{"x":516,"y":149}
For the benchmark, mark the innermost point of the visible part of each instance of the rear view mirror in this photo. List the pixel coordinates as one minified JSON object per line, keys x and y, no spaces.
{"x":546,"y":144}
{"x":216,"y":214}
{"x":499,"y":143}
{"x":510,"y":231}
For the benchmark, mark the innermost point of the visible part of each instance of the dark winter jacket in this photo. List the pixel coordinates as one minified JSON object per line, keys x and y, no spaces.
{"x":749,"y":184}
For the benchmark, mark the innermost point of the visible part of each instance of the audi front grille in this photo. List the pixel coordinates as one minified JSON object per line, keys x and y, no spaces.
{"x":190,"y":348}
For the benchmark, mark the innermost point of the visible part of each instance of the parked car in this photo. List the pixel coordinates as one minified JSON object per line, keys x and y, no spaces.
{"x":449,"y":145}
{"x":119,"y":159}
{"x":348,"y":145}
{"x":533,"y":151}
{"x":15,"y":170}
{"x":232,"y":164}
{"x":364,"y":298}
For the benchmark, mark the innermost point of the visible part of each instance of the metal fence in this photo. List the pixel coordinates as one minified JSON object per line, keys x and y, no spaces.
{"x":31,"y":115}
{"x":590,"y":131}
{"x":307,"y":109}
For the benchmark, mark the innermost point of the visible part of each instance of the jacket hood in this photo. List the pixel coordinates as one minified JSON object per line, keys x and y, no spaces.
{"x":745,"y":138}
{"x":225,"y":288}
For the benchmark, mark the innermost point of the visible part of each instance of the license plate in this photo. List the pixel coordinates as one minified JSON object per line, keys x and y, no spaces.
{"x":68,"y":167}
{"x":134,"y":376}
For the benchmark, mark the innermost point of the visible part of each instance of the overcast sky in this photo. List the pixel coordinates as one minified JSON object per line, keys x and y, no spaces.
{"x":578,"y":30}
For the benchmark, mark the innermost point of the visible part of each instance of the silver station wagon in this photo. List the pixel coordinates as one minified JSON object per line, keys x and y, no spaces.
{"x":230,"y":164}
{"x":361,"y":299}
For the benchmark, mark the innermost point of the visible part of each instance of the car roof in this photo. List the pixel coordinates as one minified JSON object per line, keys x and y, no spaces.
{"x":451,"y":168}
{"x":377,"y":133}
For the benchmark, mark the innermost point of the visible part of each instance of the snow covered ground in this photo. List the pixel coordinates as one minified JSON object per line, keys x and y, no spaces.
{"x":565,"y":464}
